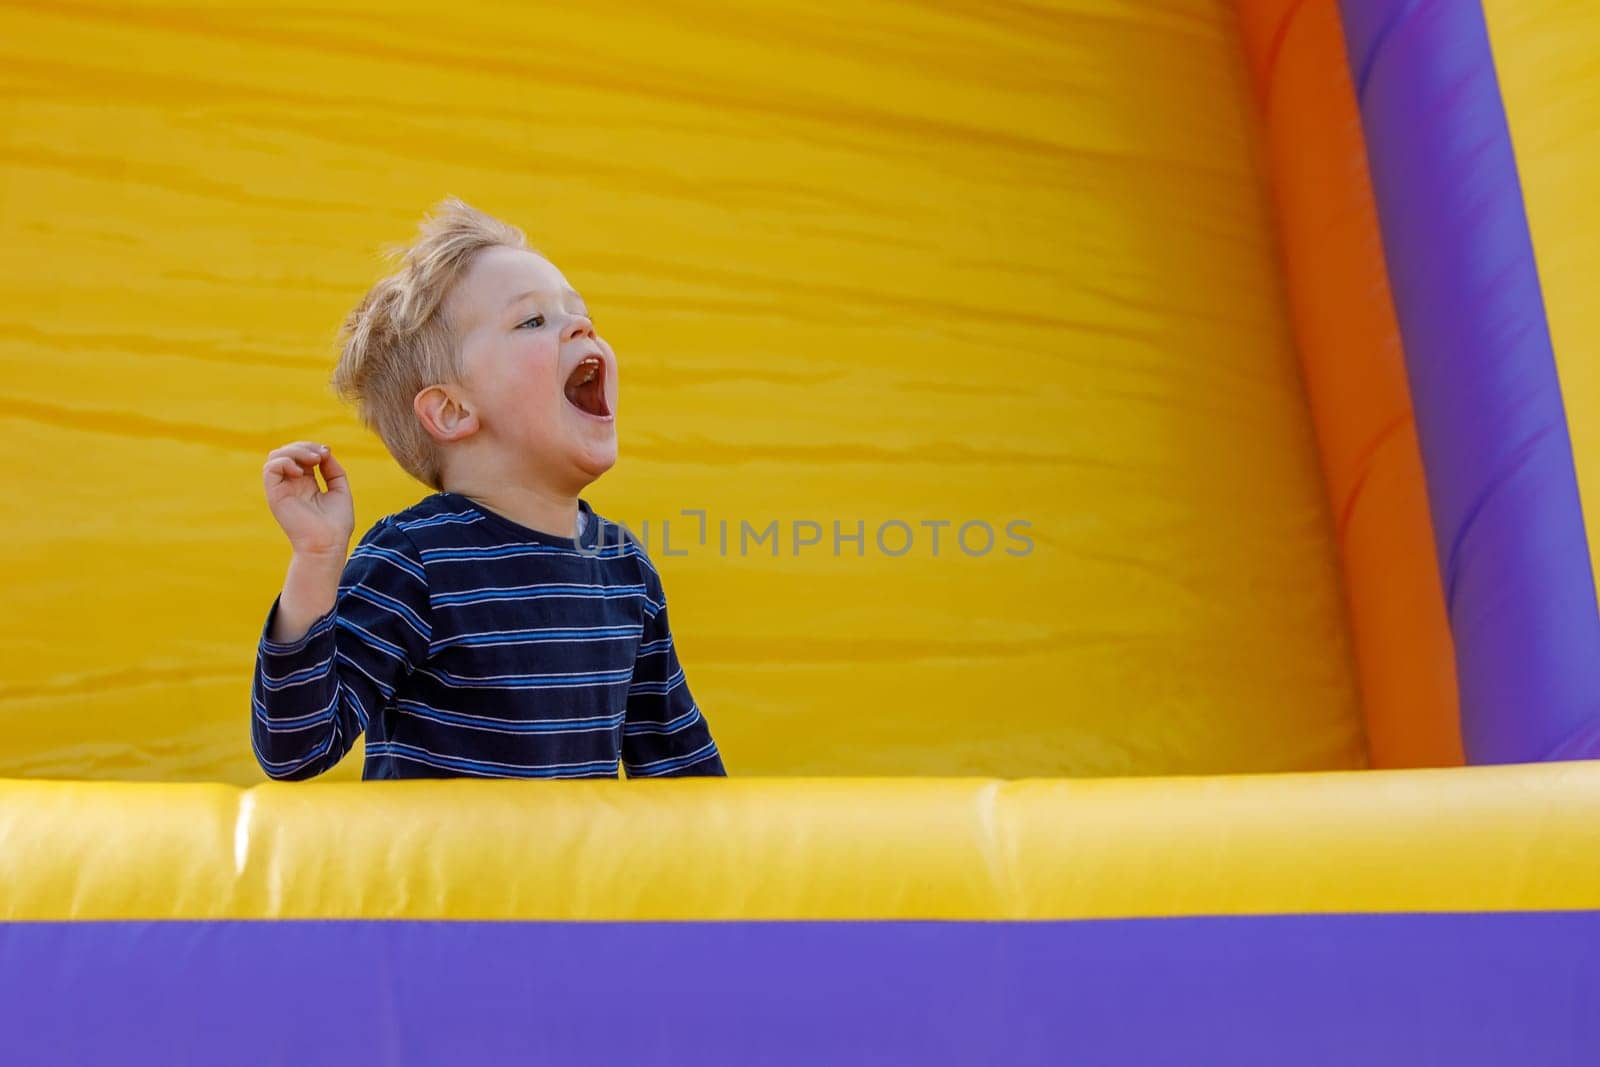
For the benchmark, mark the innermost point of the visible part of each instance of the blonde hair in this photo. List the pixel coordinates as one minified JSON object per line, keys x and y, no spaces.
{"x":398,"y":342}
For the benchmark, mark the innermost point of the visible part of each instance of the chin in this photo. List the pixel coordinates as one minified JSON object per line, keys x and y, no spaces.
{"x":595,"y":460}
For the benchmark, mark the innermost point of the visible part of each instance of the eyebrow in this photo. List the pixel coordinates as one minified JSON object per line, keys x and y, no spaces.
{"x":541,"y":292}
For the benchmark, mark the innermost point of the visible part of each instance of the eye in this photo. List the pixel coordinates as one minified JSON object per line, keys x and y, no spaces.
{"x":537,"y":320}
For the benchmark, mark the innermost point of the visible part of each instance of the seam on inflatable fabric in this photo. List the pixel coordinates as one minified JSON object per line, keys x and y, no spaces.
{"x":1379,"y":40}
{"x":1364,"y":467}
{"x":1269,"y":67}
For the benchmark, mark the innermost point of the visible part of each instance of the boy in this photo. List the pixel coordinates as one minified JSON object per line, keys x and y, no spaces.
{"x":498,"y":628}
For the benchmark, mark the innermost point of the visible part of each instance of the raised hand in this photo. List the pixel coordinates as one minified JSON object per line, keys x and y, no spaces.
{"x":318,"y":522}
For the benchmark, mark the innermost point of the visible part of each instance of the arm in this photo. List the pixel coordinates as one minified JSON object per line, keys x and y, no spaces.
{"x":342,"y":634}
{"x":313,"y":696}
{"x":664,"y":734}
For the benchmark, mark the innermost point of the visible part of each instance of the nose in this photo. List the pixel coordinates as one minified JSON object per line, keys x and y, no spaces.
{"x":577,"y":326}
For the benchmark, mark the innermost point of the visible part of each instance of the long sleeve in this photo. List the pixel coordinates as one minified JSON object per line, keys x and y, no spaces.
{"x":312,"y":698}
{"x":664,"y":734}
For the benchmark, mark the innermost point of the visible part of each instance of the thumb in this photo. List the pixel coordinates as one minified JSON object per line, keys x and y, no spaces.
{"x":333,"y":474}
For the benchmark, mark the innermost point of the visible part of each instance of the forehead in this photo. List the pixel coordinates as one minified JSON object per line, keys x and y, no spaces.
{"x":497,"y":276}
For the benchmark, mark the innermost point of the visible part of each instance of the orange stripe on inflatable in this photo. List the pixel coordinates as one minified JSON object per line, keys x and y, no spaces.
{"x":1350,"y":353}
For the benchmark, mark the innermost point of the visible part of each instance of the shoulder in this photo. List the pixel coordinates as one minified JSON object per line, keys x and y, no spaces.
{"x":394,"y":539}
{"x":439,"y":521}
{"x":615,"y":541}
{"x":438,"y":511}
{"x":607,"y":534}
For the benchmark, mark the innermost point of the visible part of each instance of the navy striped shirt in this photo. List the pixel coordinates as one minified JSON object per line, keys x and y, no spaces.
{"x":466,"y":644}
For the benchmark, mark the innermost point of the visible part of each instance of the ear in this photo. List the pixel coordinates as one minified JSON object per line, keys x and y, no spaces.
{"x":444,"y":414}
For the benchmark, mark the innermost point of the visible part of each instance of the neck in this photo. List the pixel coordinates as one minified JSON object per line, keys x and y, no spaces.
{"x":537,"y":507}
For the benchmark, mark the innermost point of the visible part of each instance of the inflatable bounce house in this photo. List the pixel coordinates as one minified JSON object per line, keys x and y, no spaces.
{"x":1260,"y":339}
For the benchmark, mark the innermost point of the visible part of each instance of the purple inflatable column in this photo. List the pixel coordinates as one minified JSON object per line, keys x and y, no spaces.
{"x":1508,"y":526}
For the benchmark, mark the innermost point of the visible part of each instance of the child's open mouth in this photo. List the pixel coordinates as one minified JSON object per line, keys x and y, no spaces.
{"x":586,"y":388}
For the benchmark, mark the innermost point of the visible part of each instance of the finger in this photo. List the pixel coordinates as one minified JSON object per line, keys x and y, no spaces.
{"x":289,"y":449}
{"x":307,"y":452}
{"x":304,"y":464}
{"x":277,"y":471}
{"x":333,"y":473}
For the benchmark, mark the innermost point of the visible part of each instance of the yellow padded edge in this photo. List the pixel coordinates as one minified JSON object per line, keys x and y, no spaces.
{"x":1461,"y":839}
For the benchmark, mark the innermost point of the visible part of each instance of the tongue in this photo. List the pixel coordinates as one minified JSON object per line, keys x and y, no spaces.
{"x":589,"y":397}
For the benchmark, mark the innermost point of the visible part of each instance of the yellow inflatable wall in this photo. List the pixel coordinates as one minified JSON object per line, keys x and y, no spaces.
{"x":970,"y":267}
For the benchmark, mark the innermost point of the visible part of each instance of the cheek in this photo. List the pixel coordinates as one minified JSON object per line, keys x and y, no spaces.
{"x":534,"y":371}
